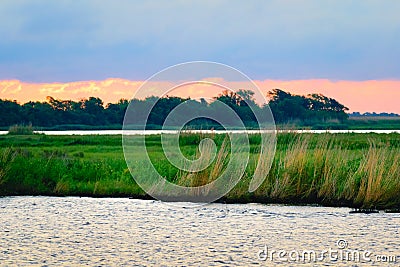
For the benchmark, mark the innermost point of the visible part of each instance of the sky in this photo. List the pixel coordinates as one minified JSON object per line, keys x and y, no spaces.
{"x":348,"y":50}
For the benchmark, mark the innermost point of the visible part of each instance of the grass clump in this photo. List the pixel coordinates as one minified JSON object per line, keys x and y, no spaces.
{"x":192,"y":178}
{"x":21,"y":129}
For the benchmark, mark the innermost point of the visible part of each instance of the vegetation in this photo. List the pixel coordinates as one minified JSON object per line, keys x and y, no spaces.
{"x":374,"y":122}
{"x":20,"y":129}
{"x":60,"y":114}
{"x":313,"y":111}
{"x":306,"y":110}
{"x":356,"y":170}
{"x":374,"y":114}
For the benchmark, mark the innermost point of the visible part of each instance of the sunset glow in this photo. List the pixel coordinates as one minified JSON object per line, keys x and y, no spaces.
{"x":361,"y":96}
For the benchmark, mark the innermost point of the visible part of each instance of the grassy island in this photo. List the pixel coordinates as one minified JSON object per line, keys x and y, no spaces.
{"x":354,"y":170}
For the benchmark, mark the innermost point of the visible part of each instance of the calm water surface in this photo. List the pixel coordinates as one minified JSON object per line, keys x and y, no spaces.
{"x":47,"y":231}
{"x":151,"y":132}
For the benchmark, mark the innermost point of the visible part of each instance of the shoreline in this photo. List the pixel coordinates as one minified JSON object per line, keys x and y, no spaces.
{"x":227,"y":201}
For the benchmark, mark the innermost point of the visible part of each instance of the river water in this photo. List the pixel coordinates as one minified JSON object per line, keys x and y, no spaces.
{"x":48,"y":231}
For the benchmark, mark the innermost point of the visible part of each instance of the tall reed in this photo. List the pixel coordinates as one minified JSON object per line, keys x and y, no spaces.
{"x":198,"y":178}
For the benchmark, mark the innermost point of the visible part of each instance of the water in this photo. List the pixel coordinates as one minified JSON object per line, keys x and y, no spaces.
{"x":47,"y":231}
{"x":151,"y":132}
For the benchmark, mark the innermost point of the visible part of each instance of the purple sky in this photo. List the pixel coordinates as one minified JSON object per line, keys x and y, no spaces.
{"x":49,"y":41}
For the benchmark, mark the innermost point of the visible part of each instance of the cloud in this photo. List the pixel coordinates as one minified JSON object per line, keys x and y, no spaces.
{"x":110,"y":90}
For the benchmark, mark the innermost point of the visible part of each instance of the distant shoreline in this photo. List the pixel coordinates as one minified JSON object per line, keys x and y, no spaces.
{"x":157,"y":132}
{"x":353,"y":123}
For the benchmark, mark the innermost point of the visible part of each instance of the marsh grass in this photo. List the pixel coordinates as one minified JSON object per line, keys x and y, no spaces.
{"x":21,"y":129}
{"x":328,"y":169}
{"x":323,"y":169}
{"x":377,"y":177}
{"x":6,"y":159}
{"x":356,"y":170}
{"x":193,"y":178}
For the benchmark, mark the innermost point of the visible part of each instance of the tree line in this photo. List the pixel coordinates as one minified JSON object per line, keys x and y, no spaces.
{"x":286,"y":108}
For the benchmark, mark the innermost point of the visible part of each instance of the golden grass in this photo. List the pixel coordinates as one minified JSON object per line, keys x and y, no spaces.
{"x":196,"y":179}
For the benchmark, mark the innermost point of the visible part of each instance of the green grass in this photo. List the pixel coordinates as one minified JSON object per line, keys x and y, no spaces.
{"x":355,"y":170}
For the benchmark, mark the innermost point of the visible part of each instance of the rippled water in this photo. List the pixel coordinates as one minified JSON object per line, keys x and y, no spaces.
{"x":76,"y":231}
